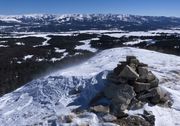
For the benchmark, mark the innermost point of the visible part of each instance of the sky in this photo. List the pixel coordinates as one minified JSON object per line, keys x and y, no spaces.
{"x":137,"y":7}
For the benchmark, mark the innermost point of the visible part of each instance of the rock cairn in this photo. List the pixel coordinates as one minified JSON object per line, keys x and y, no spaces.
{"x":130,"y":86}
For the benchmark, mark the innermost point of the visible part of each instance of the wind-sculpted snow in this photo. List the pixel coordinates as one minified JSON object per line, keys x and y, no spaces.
{"x":45,"y":99}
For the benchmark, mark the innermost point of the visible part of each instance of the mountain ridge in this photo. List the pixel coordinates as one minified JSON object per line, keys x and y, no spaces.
{"x":80,"y":14}
{"x":69,"y":22}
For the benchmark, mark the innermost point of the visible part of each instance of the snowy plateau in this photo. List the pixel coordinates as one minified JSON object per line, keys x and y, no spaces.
{"x":46,"y":99}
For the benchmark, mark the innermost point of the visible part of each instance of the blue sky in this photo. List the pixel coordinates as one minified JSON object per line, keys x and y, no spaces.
{"x":138,"y":7}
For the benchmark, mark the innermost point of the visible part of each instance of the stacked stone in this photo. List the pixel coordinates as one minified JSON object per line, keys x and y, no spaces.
{"x":131,"y":84}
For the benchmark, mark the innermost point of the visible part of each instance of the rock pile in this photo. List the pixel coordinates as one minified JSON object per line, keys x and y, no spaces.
{"x":138,"y":78}
{"x":131,"y":86}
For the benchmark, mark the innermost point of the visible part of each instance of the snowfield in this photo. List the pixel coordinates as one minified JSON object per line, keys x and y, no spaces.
{"x":149,"y":41}
{"x":27,"y":57}
{"x":87,"y":45}
{"x":9,"y":20}
{"x":46,"y":99}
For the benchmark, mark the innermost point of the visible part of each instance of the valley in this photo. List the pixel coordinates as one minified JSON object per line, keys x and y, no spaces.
{"x":27,"y":55}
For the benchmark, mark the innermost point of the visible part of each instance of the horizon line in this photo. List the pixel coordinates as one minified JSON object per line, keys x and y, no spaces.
{"x":88,"y":14}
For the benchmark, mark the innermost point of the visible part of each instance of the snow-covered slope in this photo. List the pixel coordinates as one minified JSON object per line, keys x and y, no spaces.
{"x":45,"y":99}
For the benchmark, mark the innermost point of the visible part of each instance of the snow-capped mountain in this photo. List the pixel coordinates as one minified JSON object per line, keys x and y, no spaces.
{"x":44,"y":100}
{"x":69,"y":22}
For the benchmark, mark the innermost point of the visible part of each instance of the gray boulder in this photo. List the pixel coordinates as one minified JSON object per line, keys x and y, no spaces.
{"x":133,"y":120}
{"x":123,"y":63}
{"x":134,"y":61}
{"x":135,"y":104}
{"x":119,"y":110}
{"x":115,"y":79}
{"x":142,"y":65}
{"x":154,"y":83}
{"x":129,"y":73}
{"x":143,"y":71}
{"x":154,"y":95}
{"x":120,"y":95}
{"x":159,"y":95}
{"x":100,"y":109}
{"x":66,"y":118}
{"x":140,"y":86}
{"x":148,"y":116}
{"x":145,"y":75}
{"x":132,"y":65}
{"x":150,"y":76}
{"x":119,"y":68}
{"x":129,"y":58}
{"x":116,"y":92}
{"x":109,"y":118}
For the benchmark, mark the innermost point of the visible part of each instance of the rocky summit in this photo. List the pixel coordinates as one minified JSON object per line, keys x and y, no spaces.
{"x":96,"y":93}
{"x":130,"y":86}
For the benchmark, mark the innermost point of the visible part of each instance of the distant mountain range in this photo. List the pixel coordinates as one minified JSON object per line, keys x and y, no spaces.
{"x":72,"y":22}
